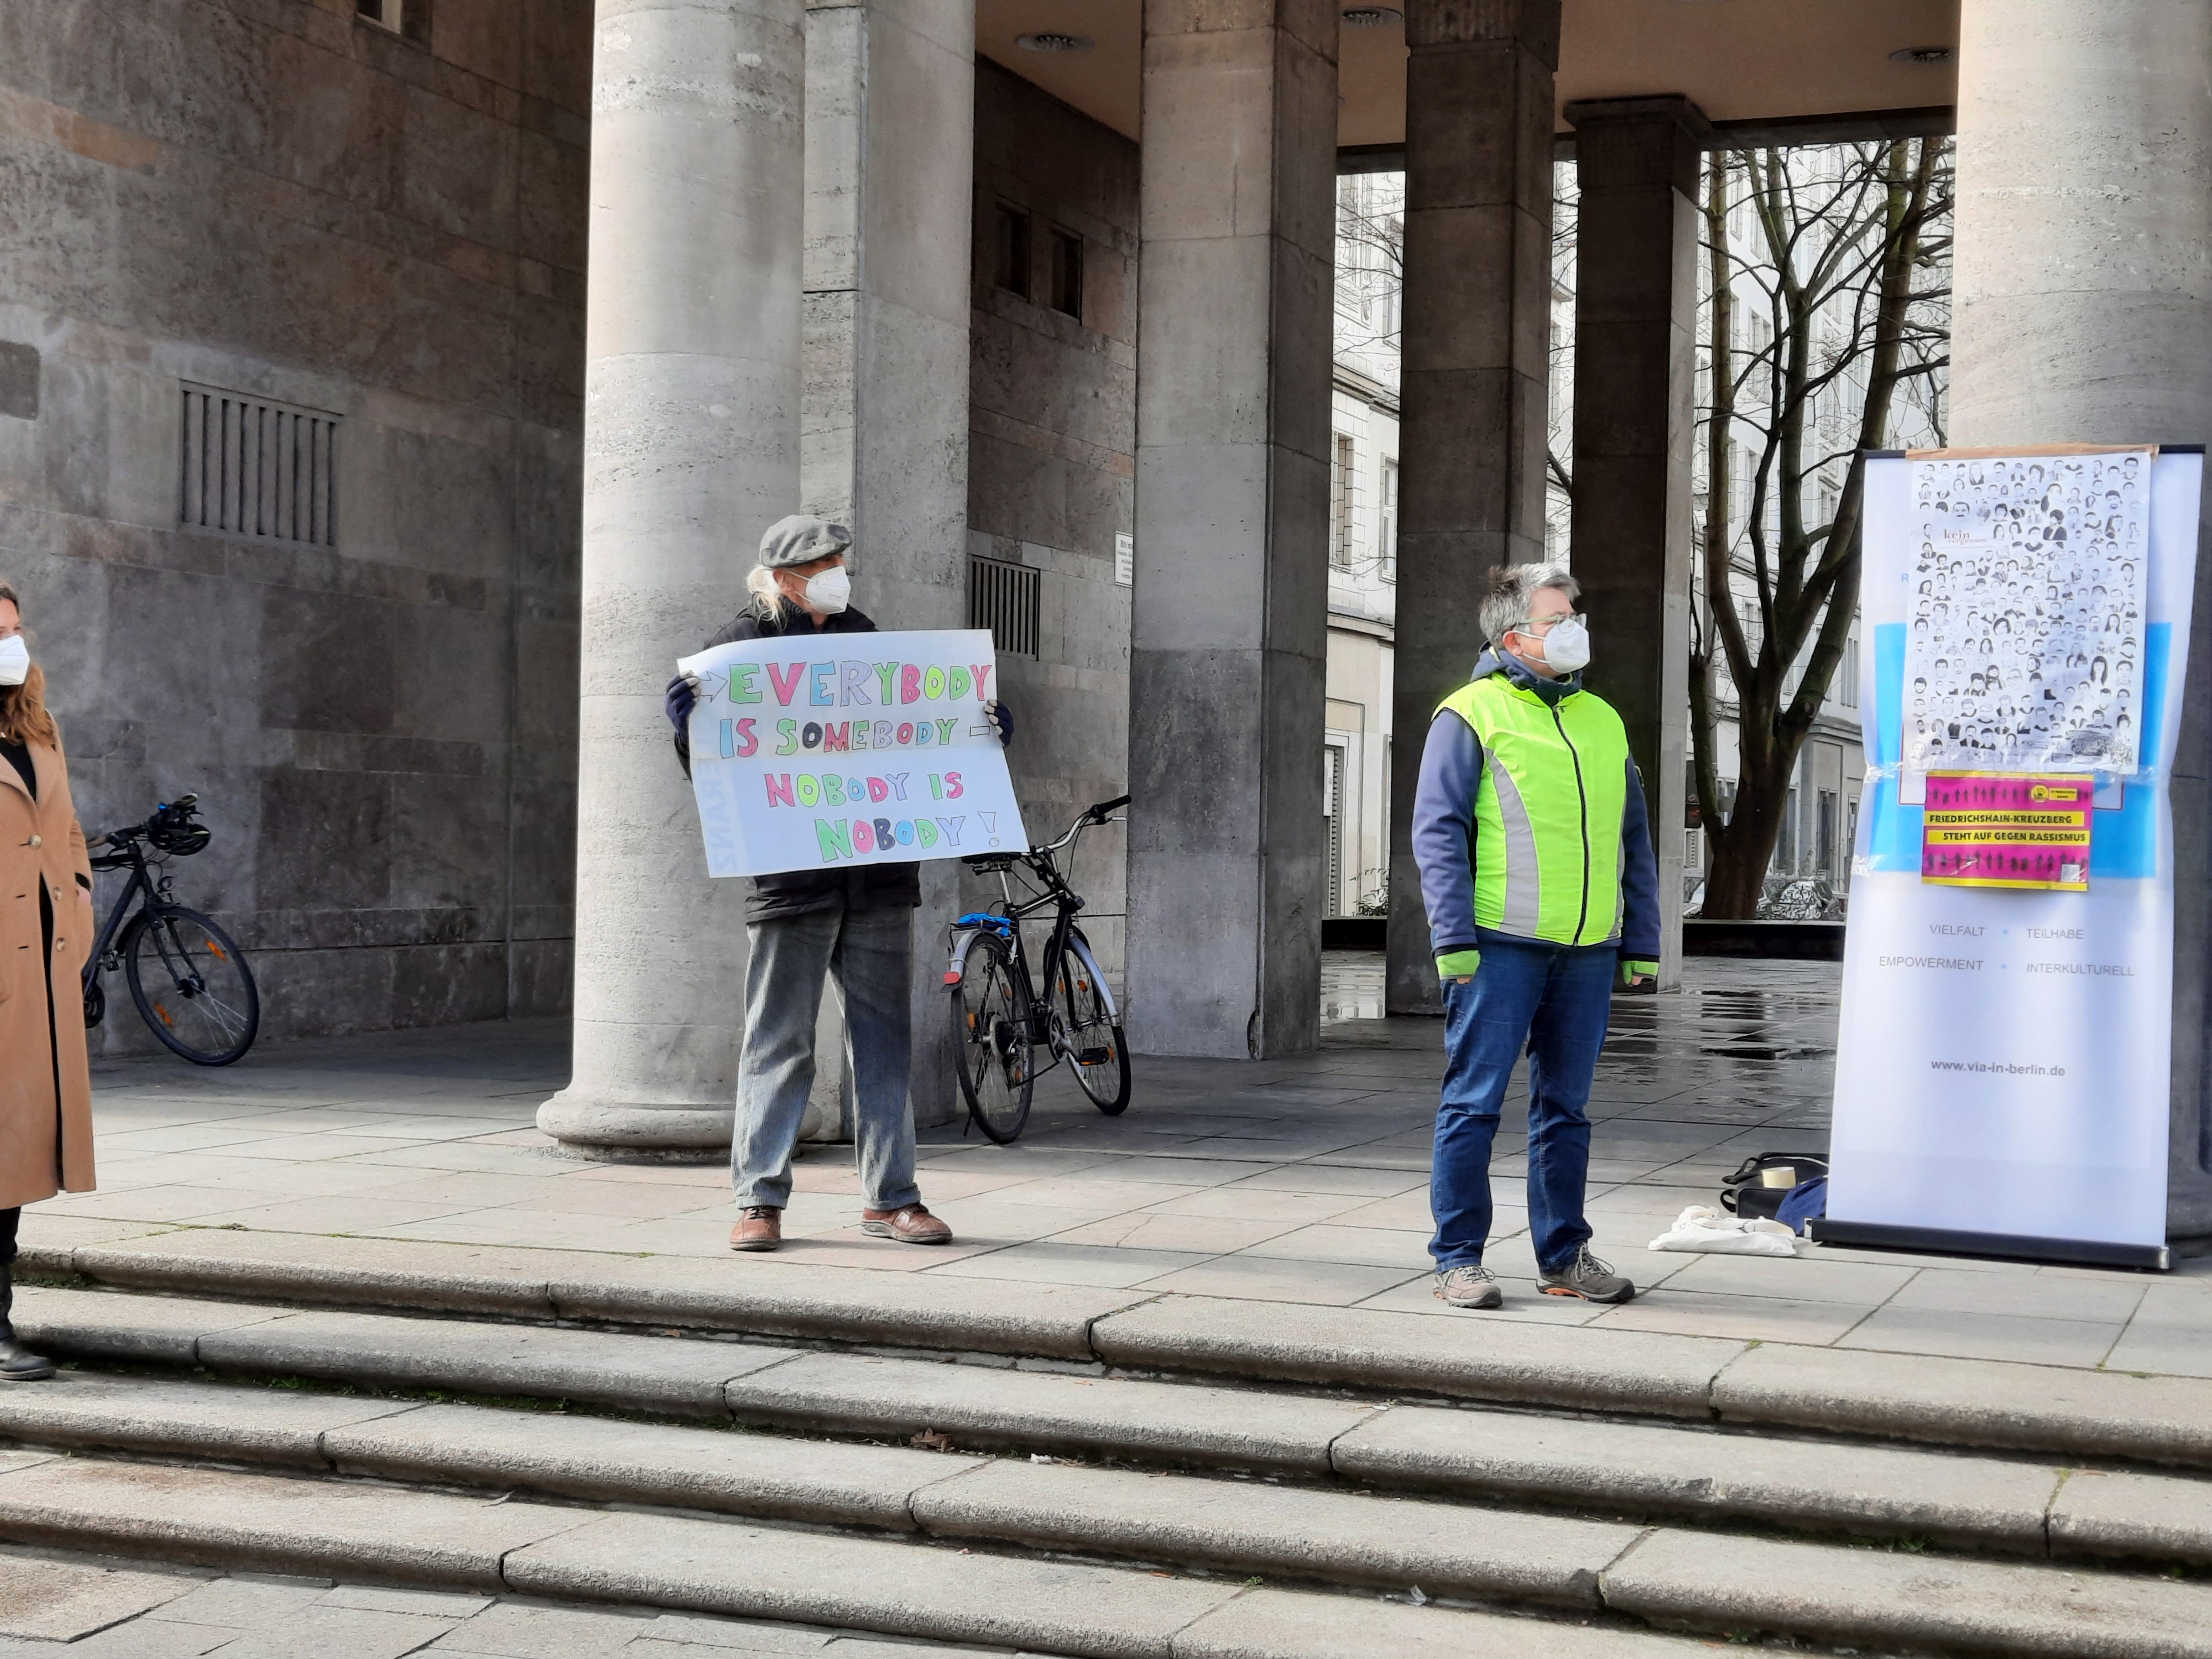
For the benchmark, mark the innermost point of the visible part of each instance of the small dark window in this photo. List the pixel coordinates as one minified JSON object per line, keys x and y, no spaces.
{"x":1068,"y":273}
{"x":250,"y":467}
{"x":1013,"y":250}
{"x":408,"y":19}
{"x":1004,"y":598}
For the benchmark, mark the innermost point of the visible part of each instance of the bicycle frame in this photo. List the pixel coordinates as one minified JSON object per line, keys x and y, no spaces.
{"x":141,"y":885}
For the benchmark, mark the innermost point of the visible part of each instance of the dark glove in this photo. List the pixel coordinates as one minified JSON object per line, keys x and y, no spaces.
{"x":683,"y":692}
{"x":1001,"y":719}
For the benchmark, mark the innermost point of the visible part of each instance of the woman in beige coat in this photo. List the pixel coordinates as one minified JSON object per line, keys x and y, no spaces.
{"x":45,"y":927}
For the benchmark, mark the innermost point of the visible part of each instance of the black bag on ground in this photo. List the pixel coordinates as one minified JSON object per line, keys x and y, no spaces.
{"x":1743,"y":1194}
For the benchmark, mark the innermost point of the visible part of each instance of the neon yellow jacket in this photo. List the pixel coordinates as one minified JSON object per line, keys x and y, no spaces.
{"x":1529,"y":819}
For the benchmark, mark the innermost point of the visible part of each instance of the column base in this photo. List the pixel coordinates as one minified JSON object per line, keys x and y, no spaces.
{"x":634,"y":1131}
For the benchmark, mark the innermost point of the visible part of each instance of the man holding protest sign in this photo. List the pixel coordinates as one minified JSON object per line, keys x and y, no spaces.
{"x":803,"y":925}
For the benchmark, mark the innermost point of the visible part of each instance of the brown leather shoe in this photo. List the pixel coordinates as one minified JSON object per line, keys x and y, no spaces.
{"x":760,"y":1227}
{"x":910,"y":1224}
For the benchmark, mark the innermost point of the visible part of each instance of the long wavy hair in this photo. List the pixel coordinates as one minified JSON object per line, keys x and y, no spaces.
{"x":23,"y":716}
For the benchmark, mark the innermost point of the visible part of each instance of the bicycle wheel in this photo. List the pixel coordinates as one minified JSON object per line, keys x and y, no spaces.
{"x":191,"y":985}
{"x":990,"y":1038}
{"x":1096,"y":1052}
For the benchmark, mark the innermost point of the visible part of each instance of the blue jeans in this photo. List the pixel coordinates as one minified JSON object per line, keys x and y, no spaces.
{"x":1555,"y":1000}
{"x":872,"y":954}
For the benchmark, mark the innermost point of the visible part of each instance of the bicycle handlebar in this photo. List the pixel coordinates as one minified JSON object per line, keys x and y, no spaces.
{"x":183,"y":807}
{"x":1089,"y":816}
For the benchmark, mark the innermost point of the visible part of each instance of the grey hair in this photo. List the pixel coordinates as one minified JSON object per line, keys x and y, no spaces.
{"x":761,"y":583}
{"x":1513,"y":589}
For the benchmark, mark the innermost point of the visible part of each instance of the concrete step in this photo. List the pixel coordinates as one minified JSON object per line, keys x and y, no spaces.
{"x":891,"y":1563}
{"x":2065,"y":1414}
{"x":1607,"y":1470}
{"x":291,"y":1524}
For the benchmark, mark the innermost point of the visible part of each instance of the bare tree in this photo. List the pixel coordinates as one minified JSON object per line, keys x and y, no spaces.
{"x":1828,"y":306}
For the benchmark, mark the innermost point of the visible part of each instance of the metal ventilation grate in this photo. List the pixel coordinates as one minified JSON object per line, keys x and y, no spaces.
{"x":1003,"y":598}
{"x":250,"y":467}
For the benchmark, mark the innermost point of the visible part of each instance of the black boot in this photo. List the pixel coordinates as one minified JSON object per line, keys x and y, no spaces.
{"x":17,"y":1363}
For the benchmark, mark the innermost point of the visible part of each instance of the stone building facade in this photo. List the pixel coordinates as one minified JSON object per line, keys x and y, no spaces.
{"x":229,"y":231}
{"x":245,"y":241}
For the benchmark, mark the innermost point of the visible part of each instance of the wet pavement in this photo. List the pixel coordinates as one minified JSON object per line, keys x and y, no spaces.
{"x":1298,"y":1180}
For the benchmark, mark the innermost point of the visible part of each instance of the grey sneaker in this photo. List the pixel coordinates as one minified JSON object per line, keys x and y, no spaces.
{"x":1468,"y":1286}
{"x":1586,"y":1277}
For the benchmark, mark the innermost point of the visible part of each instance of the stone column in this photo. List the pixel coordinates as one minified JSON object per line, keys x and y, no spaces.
{"x":891,"y":150}
{"x":2083,"y":313}
{"x":1474,"y":377}
{"x":1637,"y":162}
{"x":1230,"y":631}
{"x":691,"y":448}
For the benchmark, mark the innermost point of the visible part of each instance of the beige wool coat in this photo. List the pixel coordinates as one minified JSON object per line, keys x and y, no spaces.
{"x":46,"y":1120}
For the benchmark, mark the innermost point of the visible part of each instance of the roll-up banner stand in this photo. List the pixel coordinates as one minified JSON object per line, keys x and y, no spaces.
{"x":2001,"y":1066}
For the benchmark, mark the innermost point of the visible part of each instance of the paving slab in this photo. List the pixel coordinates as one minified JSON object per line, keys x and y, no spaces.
{"x":1254,"y":1527}
{"x":44,"y":1601}
{"x":1478,"y":1359}
{"x":989,"y":1407}
{"x":273,"y":1523}
{"x":46,"y":1243}
{"x":1652,"y":1469}
{"x":95,"y":1410}
{"x":331,"y":1632}
{"x":867,"y":1584}
{"x":1863,"y":1596}
{"x":639,"y":1373}
{"x":96,"y":1325}
{"x":2115,"y":1512}
{"x":604,"y":1460}
{"x":1273,"y":1623}
{"x":1973,"y":1402}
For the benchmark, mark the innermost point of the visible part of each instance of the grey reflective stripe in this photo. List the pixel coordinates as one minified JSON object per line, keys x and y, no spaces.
{"x":1524,"y":891}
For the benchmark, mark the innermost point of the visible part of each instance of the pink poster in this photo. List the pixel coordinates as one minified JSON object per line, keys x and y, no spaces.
{"x":2007,"y":829}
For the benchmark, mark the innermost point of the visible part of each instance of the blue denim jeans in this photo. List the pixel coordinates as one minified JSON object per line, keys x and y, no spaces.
{"x":872,"y":954}
{"x":1554,"y":999}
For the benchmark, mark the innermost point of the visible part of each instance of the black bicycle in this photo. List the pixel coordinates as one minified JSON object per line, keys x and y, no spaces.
{"x":1000,"y":1023}
{"x":191,"y":984}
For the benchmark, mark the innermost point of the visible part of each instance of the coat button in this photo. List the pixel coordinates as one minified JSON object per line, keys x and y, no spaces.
{"x":37,"y":841}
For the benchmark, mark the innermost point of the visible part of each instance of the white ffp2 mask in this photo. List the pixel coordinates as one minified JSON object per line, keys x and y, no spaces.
{"x":830,"y":591}
{"x":1567,"y":647}
{"x":15,"y":661}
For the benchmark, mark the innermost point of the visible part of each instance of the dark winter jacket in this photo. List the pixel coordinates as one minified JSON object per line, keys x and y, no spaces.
{"x":799,"y":892}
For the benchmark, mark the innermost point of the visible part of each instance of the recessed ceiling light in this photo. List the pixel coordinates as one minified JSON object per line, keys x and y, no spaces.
{"x":1923,"y":55}
{"x":1372,"y":17}
{"x":1055,"y":42}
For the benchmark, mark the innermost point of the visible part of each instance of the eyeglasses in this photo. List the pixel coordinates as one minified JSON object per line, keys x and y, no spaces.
{"x":1547,"y":622}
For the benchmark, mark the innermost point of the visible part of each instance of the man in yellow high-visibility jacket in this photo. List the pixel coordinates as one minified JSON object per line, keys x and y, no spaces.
{"x":1542,"y":893}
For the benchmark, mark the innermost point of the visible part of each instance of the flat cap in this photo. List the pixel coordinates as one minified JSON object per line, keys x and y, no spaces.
{"x":801,"y":539}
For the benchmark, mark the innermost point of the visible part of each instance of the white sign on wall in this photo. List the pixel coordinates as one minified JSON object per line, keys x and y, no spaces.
{"x":823,"y":753}
{"x":2002,"y":1074}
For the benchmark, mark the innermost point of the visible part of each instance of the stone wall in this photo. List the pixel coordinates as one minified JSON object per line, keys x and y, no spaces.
{"x":272,"y":198}
{"x":1052,"y":462}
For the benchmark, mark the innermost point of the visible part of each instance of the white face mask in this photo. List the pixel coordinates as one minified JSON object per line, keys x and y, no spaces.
{"x":830,"y":591}
{"x":1567,"y":647}
{"x":15,"y":661}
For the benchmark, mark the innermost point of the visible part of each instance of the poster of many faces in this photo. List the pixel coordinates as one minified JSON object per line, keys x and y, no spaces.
{"x":2025,"y":650}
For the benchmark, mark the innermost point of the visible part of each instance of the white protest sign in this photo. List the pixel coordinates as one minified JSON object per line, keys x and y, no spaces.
{"x":823,"y":751}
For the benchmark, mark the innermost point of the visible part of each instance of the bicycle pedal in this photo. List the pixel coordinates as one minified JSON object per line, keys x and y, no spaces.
{"x":1093,"y":1056}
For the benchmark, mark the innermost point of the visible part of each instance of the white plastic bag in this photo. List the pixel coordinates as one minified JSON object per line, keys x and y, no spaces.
{"x":1702,"y":1228}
